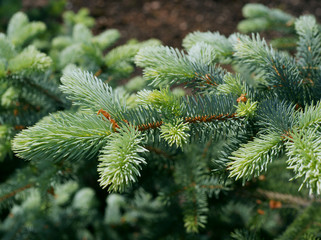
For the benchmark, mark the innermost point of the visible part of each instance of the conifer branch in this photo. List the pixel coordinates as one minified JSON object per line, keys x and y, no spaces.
{"x":30,"y":60}
{"x":14,"y":192}
{"x":221,"y":45}
{"x":44,"y":91}
{"x":286,"y":198}
{"x":205,"y":118}
{"x":310,"y":116}
{"x":65,"y":136}
{"x":20,"y":30}
{"x":308,"y":45}
{"x":190,"y":178}
{"x":276,"y":116}
{"x":252,"y":158}
{"x":238,"y":123}
{"x":303,"y":149}
{"x":90,"y":92}
{"x":159,"y":152}
{"x":7,"y":49}
{"x":106,"y":38}
{"x":278,"y":69}
{"x":261,"y":18}
{"x":307,"y":222}
{"x":164,"y":65}
{"x":158,"y":124}
{"x":120,"y":161}
{"x":149,"y":126}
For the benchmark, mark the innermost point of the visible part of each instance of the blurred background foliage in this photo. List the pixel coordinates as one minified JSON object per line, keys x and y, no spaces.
{"x":167,"y":20}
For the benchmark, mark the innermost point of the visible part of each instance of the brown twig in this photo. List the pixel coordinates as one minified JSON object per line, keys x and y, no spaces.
{"x":14,"y":192}
{"x":286,"y":197}
{"x":153,"y":125}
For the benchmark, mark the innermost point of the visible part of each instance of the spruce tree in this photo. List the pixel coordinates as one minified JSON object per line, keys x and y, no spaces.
{"x":223,"y":160}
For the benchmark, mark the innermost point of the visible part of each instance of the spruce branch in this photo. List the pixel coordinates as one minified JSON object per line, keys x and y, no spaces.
{"x":194,"y":214}
{"x":61,"y":42}
{"x":260,"y":18}
{"x":232,"y":143}
{"x":163,"y":99}
{"x":307,"y":222}
{"x":127,"y":52}
{"x":149,"y":126}
{"x":31,"y":87}
{"x":82,"y":48}
{"x":71,"y":54}
{"x":159,"y":152}
{"x":231,"y":120}
{"x":120,"y":162}
{"x":63,"y":136}
{"x":3,"y":66}
{"x":212,"y":185}
{"x":88,"y":91}
{"x":310,"y":116}
{"x":82,"y":16}
{"x":276,"y":116}
{"x":308,"y":45}
{"x":247,"y":109}
{"x":81,"y":33}
{"x":232,"y":84}
{"x":10,"y":97}
{"x":175,"y":133}
{"x":159,"y":107}
{"x":106,"y":38}
{"x":252,"y":158}
{"x":243,"y":234}
{"x":17,"y":183}
{"x":119,"y":61}
{"x":20,"y":30}
{"x":286,"y":198}
{"x":21,"y":117}
{"x":14,"y":192}
{"x":309,"y":57}
{"x":304,"y":152}
{"x":278,"y":69}
{"x":85,"y":54}
{"x":34,"y":176}
{"x":191,"y":176}
{"x":208,"y":108}
{"x":30,"y":60}
{"x":221,"y":45}
{"x":165,"y":65}
{"x":144,"y":118}
{"x":7,"y":50}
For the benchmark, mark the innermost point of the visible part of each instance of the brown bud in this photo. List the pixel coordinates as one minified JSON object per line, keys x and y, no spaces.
{"x":242,"y":98}
{"x":260,"y":211}
{"x":275,"y":204}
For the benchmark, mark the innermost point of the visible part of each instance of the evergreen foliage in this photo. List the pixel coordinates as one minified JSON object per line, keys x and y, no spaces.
{"x":77,"y":45}
{"x":29,"y":90}
{"x":171,"y":161}
{"x":260,"y":18}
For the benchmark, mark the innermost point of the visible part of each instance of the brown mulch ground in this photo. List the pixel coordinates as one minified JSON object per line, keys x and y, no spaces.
{"x":171,"y":20}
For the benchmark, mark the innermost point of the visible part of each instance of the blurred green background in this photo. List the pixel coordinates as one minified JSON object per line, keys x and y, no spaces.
{"x":167,"y":20}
